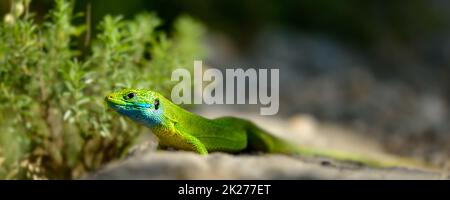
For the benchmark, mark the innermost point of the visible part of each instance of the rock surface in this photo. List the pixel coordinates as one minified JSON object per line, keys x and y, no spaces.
{"x":187,"y":165}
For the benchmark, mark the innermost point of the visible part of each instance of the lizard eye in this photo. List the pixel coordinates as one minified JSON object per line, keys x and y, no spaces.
{"x":156,"y":104}
{"x":130,"y":95}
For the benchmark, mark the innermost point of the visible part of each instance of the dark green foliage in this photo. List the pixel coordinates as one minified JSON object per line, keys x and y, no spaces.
{"x":53,"y":121}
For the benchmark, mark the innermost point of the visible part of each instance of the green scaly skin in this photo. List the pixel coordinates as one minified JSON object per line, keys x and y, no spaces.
{"x":180,"y":129}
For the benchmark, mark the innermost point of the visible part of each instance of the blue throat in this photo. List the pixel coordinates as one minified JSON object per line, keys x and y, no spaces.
{"x":153,"y":117}
{"x":143,"y":113}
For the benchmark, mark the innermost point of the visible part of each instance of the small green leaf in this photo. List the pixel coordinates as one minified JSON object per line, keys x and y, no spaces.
{"x":67,"y":114}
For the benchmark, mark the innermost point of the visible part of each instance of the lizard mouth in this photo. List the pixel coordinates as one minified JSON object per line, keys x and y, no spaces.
{"x":114,"y":102}
{"x":117,"y":103}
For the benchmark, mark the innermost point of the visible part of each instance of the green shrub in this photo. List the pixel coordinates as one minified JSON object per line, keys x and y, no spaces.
{"x":53,"y":120}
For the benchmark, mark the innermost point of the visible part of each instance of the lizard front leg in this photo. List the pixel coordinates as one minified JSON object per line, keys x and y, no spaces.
{"x":196,"y":145}
{"x":183,"y":141}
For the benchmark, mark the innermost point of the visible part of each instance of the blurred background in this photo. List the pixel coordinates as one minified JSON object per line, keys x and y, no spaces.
{"x":380,"y":68}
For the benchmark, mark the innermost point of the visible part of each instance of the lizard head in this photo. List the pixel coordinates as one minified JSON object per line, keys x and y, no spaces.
{"x":142,"y":106}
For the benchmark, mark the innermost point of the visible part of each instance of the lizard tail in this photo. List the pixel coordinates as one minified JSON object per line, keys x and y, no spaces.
{"x":262,"y":140}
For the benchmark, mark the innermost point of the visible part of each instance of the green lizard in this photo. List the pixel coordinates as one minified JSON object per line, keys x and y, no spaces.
{"x":180,"y":129}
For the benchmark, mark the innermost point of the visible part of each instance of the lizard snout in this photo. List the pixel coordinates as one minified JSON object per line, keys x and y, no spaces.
{"x":109,"y":98}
